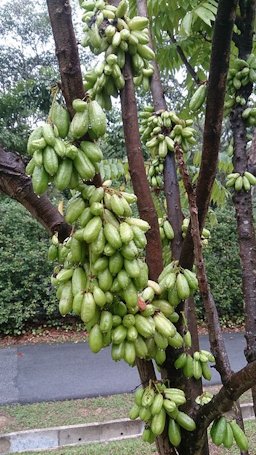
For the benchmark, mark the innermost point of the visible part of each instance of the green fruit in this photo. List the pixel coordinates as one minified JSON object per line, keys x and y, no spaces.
{"x":97,"y":120}
{"x":66,"y":299}
{"x":140,"y":347}
{"x":158,"y":422}
{"x":92,"y":151}
{"x":79,"y":280}
{"x":129,"y":352}
{"x":95,"y":339}
{"x":117,"y":351}
{"x":48,"y":134}
{"x":134,"y":412}
{"x":79,"y":124}
{"x":92,"y":229}
{"x":228,"y":437}
{"x":88,"y":308}
{"x":132,"y":333}
{"x":185,"y":421}
{"x":182,"y":285}
{"x":198,"y":98}
{"x":99,"y":296}
{"x":174,"y":433}
{"x":60,"y":117}
{"x":145,"y":326}
{"x":239,"y":436}
{"x":63,"y":175}
{"x":75,"y":208}
{"x":105,"y":280}
{"x":119,"y":334}
{"x":39,"y":180}
{"x":83,"y":165}
{"x":112,"y":236}
{"x":220,"y":431}
{"x":106,"y":321}
{"x":157,"y":404}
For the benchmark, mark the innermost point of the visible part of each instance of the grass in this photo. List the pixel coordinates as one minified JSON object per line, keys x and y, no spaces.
{"x":127,"y":447}
{"x":69,"y":412}
{"x":19,"y":417}
{"x":138,"y":447}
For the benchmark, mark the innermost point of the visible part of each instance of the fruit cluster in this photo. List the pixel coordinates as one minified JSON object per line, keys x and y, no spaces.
{"x":55,"y":157}
{"x":162,"y":129}
{"x":177,"y":283}
{"x":165,"y":228}
{"x":227,"y":432}
{"x":154,"y":405}
{"x":241,"y":182}
{"x":249,"y":115}
{"x":155,"y":173}
{"x":240,"y":74}
{"x":109,"y":29}
{"x":196,"y":366}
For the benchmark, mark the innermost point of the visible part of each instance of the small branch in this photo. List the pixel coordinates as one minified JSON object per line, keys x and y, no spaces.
{"x":215,"y":335}
{"x":184,"y":59}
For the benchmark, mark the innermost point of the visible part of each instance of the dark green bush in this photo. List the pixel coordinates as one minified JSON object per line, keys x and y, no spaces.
{"x":223,"y":267}
{"x":26,"y":296}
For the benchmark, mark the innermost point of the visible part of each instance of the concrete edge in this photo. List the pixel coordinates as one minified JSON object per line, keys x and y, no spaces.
{"x":71,"y":435}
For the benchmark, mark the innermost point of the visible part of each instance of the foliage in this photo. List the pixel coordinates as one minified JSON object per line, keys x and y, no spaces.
{"x":25,"y":291}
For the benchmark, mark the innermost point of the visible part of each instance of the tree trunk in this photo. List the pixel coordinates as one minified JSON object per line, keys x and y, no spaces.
{"x":243,"y":200}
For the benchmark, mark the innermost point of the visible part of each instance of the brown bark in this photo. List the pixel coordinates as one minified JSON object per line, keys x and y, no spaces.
{"x":243,"y":200}
{"x":221,"y":42}
{"x":17,"y":185}
{"x":66,"y":51}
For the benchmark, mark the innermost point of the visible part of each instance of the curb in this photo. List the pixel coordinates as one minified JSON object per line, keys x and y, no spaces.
{"x":63,"y":436}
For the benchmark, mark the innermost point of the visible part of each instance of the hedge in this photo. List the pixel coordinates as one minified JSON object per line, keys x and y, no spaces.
{"x":26,"y":295}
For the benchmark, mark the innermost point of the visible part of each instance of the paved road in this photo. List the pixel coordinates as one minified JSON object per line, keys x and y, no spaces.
{"x":66,"y":371}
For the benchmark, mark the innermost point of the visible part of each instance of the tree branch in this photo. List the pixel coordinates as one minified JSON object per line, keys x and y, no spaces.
{"x":184,"y":59}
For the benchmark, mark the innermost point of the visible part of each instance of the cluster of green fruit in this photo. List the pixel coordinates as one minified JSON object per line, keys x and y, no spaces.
{"x":240,"y":74}
{"x":176,"y":283}
{"x":205,"y":235}
{"x":165,"y":229}
{"x":227,"y":432}
{"x":196,"y":366}
{"x":198,"y":98}
{"x":161,"y":130}
{"x":109,"y":29}
{"x":155,"y":173}
{"x":241,"y":182}
{"x":249,"y":115}
{"x":55,"y":157}
{"x":113,"y":169}
{"x":154,"y":405}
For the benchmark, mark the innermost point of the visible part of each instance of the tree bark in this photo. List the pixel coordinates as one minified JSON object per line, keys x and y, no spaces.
{"x":243,"y":200}
{"x":66,"y":51}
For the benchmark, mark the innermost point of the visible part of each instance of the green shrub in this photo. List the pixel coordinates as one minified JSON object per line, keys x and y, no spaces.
{"x":223,"y":267}
{"x":26,"y":295}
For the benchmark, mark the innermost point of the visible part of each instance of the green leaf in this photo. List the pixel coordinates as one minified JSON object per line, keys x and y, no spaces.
{"x":186,"y":24}
{"x":205,"y":14}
